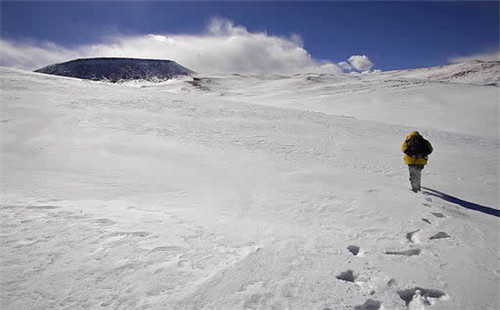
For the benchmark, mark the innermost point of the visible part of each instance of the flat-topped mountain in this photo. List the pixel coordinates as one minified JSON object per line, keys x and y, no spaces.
{"x":117,"y":69}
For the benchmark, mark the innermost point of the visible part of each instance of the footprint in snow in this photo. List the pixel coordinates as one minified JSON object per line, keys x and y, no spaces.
{"x":410,"y":252}
{"x":411,"y":236}
{"x":346,"y":276}
{"x":438,"y":215}
{"x":392,"y":282}
{"x":370,"y":304}
{"x":353,"y":249}
{"x":440,"y":235}
{"x":418,"y":293}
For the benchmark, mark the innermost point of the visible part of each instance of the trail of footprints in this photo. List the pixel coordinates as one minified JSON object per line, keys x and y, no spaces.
{"x":415,"y":293}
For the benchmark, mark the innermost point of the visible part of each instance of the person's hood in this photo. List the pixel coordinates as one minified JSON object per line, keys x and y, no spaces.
{"x":414,"y":133}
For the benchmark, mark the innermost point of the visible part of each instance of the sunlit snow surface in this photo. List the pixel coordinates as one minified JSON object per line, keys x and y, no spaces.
{"x":247,"y":192}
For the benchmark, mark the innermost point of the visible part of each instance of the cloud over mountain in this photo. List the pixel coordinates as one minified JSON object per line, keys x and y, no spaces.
{"x":223,"y":48}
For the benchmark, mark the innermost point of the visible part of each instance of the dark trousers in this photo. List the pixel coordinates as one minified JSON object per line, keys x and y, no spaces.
{"x":415,"y":176}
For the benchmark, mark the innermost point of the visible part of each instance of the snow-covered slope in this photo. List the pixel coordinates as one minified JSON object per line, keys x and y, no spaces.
{"x":118,"y":69}
{"x":233,"y":192}
{"x":473,"y":72}
{"x":387,"y":97}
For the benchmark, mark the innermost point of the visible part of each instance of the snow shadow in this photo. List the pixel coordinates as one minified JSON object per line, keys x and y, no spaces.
{"x":409,"y":294}
{"x":347,"y":276}
{"x":370,"y":304}
{"x":353,"y":249}
{"x":463,"y":203}
{"x":440,"y":235}
{"x":409,"y":252}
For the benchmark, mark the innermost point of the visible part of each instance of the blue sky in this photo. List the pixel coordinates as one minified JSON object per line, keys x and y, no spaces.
{"x":394,"y":35}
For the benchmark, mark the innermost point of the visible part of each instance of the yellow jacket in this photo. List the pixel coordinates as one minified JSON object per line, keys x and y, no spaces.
{"x":411,"y":160}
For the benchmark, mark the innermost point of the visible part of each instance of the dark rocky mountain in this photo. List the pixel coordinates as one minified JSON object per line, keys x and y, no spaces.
{"x":118,"y":69}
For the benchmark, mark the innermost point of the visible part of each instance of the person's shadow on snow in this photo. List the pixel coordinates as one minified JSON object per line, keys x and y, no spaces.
{"x":463,"y":203}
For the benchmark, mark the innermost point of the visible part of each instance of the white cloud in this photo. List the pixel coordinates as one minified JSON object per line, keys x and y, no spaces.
{"x":483,"y":57}
{"x":224,"y":27}
{"x":30,"y":56}
{"x":345,"y":66}
{"x":360,"y":62}
{"x":223,"y":48}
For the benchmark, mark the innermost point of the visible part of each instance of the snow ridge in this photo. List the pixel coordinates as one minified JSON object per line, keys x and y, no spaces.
{"x":472,"y":72}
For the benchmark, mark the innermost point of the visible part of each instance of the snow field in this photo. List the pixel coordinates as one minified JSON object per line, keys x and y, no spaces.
{"x":240,"y":196}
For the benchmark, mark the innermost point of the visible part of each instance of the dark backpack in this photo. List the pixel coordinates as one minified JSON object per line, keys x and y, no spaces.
{"x":417,"y":146}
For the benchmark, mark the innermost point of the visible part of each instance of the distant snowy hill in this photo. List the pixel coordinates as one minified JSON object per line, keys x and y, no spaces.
{"x":459,"y":98}
{"x":118,"y":69}
{"x":473,"y":72}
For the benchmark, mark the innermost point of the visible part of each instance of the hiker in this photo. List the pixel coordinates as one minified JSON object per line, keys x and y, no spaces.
{"x":416,"y":149}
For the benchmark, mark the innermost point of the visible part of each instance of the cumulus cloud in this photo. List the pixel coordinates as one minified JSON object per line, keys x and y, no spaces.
{"x":360,"y":62}
{"x":344,"y":65}
{"x":483,"y":57}
{"x":223,"y":48}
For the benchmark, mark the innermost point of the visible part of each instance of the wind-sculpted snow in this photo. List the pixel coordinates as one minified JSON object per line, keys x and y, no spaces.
{"x":118,"y":69}
{"x":245,"y":192}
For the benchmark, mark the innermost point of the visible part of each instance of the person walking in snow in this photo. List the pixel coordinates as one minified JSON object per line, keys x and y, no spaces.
{"x":416,"y":149}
